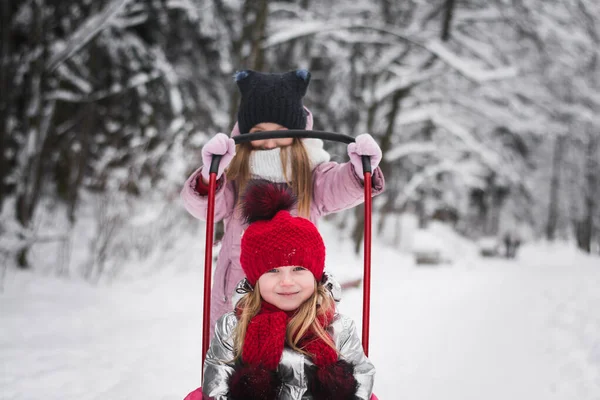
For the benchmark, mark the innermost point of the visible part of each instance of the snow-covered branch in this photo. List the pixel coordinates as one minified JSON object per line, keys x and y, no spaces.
{"x":410,"y":149}
{"x":422,"y":177}
{"x":480,"y":15}
{"x":404,"y":82}
{"x":487,"y":156}
{"x":136,"y":80}
{"x":80,"y":83}
{"x":416,"y":115}
{"x":86,"y":32}
{"x":466,"y":68}
{"x":303,"y":29}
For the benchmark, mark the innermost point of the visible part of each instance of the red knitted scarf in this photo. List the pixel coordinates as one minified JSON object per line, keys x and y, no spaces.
{"x":265,"y":339}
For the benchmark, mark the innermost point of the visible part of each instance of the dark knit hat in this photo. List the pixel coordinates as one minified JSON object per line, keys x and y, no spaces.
{"x":272,"y":98}
{"x":275,"y":238}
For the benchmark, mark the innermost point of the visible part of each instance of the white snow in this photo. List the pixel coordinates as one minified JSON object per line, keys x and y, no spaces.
{"x":474,"y":328}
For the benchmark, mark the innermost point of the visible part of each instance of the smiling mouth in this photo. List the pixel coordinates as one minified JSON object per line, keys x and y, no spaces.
{"x":288,"y":294}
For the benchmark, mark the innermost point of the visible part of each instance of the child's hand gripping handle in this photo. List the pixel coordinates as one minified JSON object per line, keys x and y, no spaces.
{"x":365,"y":154}
{"x":222,"y":146}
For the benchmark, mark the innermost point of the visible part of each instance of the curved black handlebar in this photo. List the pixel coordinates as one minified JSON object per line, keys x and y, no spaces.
{"x":292,"y":133}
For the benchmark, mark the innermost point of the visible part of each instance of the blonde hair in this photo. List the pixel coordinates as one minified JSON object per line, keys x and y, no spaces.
{"x":305,"y":319}
{"x":300,"y":179}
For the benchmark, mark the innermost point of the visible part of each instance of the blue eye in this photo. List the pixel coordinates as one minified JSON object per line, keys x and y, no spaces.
{"x":273,"y":270}
{"x":299,"y":269}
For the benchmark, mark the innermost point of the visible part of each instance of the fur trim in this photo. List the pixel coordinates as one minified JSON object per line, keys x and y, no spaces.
{"x":333,"y":382}
{"x":254,"y":383}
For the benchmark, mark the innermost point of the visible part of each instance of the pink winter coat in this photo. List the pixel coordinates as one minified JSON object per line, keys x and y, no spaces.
{"x":335,"y":187}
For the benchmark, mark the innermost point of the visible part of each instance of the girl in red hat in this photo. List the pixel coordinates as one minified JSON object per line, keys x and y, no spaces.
{"x":284,"y":340}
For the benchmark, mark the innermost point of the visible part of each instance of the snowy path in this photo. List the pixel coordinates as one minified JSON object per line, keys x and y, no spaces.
{"x":498,"y":331}
{"x":481,"y":329}
{"x":66,"y":341}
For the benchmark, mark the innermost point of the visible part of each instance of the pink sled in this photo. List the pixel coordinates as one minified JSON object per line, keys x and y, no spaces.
{"x":198,"y":395}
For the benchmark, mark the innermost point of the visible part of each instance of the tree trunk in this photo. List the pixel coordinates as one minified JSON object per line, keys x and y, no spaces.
{"x":447,"y":22}
{"x":5,"y":89}
{"x":257,"y":54}
{"x":38,"y":115}
{"x":79,"y":159}
{"x":386,"y":144}
{"x":554,"y":188}
{"x":586,"y":226}
{"x":498,"y":195}
{"x":255,"y":20}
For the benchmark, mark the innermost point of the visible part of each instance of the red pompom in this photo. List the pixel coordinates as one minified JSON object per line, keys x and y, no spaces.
{"x":263,"y":199}
{"x":254,"y":383}
{"x":333,"y":382}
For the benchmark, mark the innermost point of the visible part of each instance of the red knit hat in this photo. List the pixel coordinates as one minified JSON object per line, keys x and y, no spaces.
{"x":275,"y":238}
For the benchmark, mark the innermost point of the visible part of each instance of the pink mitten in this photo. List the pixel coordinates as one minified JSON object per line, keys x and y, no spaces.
{"x":364,"y":145}
{"x":221,"y":145}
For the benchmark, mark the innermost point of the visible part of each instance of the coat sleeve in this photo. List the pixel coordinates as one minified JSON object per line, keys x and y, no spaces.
{"x":197,"y":204}
{"x":218,"y":365}
{"x":351,"y":350}
{"x":337,"y":187}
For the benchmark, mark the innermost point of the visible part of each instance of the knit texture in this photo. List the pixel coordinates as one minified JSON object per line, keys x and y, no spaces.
{"x":280,"y":240}
{"x":265,"y":339}
{"x":272,"y":98}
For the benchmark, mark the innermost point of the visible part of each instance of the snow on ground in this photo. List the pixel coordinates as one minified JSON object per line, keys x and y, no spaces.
{"x":471,"y":329}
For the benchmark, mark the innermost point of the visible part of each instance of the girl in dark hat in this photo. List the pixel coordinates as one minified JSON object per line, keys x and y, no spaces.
{"x":273,"y":102}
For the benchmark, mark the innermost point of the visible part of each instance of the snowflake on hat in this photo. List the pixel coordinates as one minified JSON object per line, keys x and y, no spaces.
{"x":275,"y":238}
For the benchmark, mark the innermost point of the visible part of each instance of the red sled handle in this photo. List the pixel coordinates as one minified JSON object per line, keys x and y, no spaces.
{"x":212,"y":185}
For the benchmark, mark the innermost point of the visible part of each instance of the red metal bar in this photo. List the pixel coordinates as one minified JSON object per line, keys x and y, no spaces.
{"x":367,"y":261}
{"x":210,"y":225}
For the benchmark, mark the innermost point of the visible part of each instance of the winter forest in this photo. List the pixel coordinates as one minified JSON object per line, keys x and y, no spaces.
{"x":486,"y":112}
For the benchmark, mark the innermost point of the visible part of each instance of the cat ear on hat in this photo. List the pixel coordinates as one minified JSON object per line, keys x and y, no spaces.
{"x":243,"y":78}
{"x":299,"y":80}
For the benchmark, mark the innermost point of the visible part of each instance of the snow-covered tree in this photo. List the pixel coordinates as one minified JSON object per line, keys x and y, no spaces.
{"x":485,"y":111}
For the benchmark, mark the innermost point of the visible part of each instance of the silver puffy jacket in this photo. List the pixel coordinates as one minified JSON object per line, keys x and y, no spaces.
{"x":292,"y":367}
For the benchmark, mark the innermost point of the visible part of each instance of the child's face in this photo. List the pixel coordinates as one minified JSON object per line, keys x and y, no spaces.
{"x":269,"y":144}
{"x":287,"y":287}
